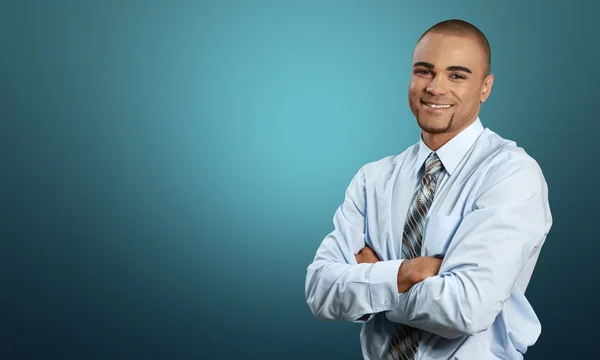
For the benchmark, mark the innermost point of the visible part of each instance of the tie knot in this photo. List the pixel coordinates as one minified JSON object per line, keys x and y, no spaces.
{"x":433,"y":165}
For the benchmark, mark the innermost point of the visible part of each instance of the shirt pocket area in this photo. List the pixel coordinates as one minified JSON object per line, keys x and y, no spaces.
{"x":439,"y":231}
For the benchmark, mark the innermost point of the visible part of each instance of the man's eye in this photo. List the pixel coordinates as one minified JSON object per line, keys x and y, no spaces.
{"x":424,"y":72}
{"x":457,"y":76}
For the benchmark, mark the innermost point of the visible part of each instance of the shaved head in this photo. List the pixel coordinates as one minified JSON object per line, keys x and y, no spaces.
{"x":457,"y":27}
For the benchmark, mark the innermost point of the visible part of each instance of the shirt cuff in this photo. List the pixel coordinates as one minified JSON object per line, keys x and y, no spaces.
{"x":383,"y":285}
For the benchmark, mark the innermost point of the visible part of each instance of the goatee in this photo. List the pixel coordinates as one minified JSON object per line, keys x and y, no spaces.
{"x":439,"y":130}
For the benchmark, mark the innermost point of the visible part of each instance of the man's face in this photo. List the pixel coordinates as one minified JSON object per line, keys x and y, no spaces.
{"x":448,"y":83}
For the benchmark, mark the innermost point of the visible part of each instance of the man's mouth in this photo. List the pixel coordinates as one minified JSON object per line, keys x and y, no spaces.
{"x":436,"y":106}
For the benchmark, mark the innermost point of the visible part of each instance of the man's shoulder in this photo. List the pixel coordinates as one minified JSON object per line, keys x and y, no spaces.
{"x":504,"y":157}
{"x":505,"y":152}
{"x":390,"y":162}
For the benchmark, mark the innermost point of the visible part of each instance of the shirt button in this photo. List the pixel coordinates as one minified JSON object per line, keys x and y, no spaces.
{"x":386,"y":303}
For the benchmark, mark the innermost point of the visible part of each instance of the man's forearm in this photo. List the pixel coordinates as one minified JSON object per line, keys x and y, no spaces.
{"x":421,"y":307}
{"x":336,"y":291}
{"x":413,"y":271}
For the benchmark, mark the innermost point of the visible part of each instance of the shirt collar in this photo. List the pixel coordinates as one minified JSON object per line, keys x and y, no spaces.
{"x":452,"y":152}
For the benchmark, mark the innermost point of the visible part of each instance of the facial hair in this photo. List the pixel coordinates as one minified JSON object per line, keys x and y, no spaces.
{"x":432,"y":130}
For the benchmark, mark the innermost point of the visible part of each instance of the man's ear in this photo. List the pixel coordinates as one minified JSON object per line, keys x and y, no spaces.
{"x":486,"y":88}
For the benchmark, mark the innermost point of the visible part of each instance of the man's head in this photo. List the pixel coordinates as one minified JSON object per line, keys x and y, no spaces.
{"x":451,"y":78}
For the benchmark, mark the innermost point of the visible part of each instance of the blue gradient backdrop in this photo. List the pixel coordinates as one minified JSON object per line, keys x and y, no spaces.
{"x":168,"y":168}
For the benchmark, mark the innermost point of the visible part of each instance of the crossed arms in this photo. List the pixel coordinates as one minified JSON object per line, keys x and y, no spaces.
{"x":461,"y":294}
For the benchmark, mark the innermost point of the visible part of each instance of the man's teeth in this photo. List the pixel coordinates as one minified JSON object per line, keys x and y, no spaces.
{"x":438,"y":106}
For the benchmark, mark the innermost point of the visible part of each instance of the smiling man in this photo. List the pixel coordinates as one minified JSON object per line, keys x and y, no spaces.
{"x":433,"y":249}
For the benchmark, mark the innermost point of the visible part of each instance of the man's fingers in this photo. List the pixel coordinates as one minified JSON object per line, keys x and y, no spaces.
{"x":366,"y":255}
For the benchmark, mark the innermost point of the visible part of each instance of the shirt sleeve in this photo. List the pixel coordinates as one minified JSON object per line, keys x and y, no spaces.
{"x":508,"y":223}
{"x":337,"y":287}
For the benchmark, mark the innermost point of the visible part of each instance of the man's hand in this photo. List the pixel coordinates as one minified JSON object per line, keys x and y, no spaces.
{"x":411,"y":271}
{"x":366,"y":255}
{"x":415,"y":270}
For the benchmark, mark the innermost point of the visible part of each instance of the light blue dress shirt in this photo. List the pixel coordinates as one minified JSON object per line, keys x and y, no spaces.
{"x":489,"y":218}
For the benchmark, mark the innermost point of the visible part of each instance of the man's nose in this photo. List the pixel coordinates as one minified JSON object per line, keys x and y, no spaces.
{"x":436,"y":86}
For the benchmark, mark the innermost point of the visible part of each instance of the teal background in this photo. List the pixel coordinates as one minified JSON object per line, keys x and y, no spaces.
{"x":168,"y":168}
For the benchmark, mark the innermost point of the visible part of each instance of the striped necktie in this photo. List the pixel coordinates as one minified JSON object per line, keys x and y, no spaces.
{"x":405,"y":339}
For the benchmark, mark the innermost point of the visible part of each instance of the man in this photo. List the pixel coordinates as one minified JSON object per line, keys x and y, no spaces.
{"x":432,"y":249}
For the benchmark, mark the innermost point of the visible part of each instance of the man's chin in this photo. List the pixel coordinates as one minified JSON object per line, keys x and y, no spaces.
{"x":432,"y":130}
{"x":435,"y":127}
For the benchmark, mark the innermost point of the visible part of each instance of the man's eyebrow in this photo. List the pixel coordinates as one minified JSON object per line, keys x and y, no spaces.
{"x":459,"y":68}
{"x":424,"y":64}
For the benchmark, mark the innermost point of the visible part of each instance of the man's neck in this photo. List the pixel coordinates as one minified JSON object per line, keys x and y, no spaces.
{"x":434,"y":141}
